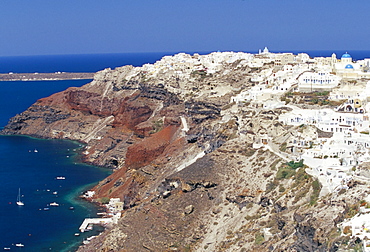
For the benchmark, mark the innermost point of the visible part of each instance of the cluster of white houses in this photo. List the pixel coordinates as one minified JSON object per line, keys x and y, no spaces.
{"x":344,"y":142}
{"x":333,"y":156}
{"x":320,"y":70}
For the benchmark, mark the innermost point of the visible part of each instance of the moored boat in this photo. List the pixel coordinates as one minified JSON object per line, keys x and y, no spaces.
{"x":19,"y":202}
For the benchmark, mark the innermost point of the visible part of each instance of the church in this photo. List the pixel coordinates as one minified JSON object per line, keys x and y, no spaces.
{"x":348,"y":69}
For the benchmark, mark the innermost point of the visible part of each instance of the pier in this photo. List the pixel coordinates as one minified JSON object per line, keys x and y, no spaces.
{"x":99,"y":221}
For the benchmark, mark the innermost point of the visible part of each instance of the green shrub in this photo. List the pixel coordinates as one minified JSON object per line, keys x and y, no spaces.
{"x":316,"y":191}
{"x":157,"y":126}
{"x":288,"y":170}
{"x":283,"y":147}
{"x":259,"y":239}
{"x":281,"y":188}
{"x":104,"y":200}
{"x":285,"y":172}
{"x":295,"y":165}
{"x":300,"y":176}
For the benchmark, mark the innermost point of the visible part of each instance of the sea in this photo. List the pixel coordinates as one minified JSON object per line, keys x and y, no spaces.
{"x":31,"y":165}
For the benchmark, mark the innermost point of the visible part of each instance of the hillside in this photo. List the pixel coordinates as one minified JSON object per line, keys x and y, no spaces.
{"x":196,"y":170}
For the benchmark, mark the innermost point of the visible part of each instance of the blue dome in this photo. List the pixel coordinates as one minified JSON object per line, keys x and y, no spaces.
{"x":346,"y":55}
{"x":349,"y":66}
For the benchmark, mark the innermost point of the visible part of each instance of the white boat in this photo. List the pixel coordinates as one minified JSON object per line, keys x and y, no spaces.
{"x":19,"y":245}
{"x":19,"y":202}
{"x":54,"y":204}
{"x":60,"y":177}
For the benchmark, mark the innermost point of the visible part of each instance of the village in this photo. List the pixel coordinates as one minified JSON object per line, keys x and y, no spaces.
{"x":332,"y":156}
{"x":326,"y":97}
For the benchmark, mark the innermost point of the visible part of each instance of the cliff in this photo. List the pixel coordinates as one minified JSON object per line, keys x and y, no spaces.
{"x":186,"y":165}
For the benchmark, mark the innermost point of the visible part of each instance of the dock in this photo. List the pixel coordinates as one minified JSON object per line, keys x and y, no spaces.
{"x":96,"y":221}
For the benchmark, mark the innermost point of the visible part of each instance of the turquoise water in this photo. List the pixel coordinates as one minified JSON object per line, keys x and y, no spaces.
{"x":33,"y":165}
{"x":34,"y":172}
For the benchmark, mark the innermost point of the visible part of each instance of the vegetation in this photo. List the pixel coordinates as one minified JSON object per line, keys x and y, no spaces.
{"x":288,"y":169}
{"x":272,"y":185}
{"x":199,"y":73}
{"x":295,"y":165}
{"x":284,"y":173}
{"x":283,"y":147}
{"x":301,"y":177}
{"x":352,"y":211}
{"x":281,"y":188}
{"x":104,"y":200}
{"x":319,"y":98}
{"x":247,"y":152}
{"x":316,"y":191}
{"x":157,"y":126}
{"x":259,"y":239}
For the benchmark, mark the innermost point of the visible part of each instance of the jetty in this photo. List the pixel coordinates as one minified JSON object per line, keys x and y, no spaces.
{"x":96,"y":221}
{"x":99,"y":221}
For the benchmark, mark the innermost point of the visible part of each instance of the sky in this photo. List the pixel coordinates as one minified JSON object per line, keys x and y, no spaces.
{"x":47,"y":27}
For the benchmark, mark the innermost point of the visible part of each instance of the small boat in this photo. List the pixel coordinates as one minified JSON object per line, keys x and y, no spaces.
{"x":19,"y":245}
{"x":77,"y":234}
{"x":54,"y":204}
{"x":60,"y":177}
{"x":35,"y":150}
{"x":46,"y":209}
{"x":55,"y":192}
{"x":6,"y":248}
{"x":19,"y":202}
{"x":71,"y":208}
{"x":90,"y":238}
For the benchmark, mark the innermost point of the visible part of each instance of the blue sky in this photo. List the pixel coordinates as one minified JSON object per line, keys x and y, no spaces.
{"x":40,"y":27}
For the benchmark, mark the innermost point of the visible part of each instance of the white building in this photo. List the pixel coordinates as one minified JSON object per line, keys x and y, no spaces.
{"x":348,"y":69}
{"x":317,"y":81}
{"x":327,"y":120}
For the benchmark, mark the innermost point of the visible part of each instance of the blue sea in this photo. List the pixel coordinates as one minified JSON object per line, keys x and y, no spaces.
{"x":32,"y":164}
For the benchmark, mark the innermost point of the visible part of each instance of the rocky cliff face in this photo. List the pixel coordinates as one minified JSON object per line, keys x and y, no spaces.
{"x":185,"y":166}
